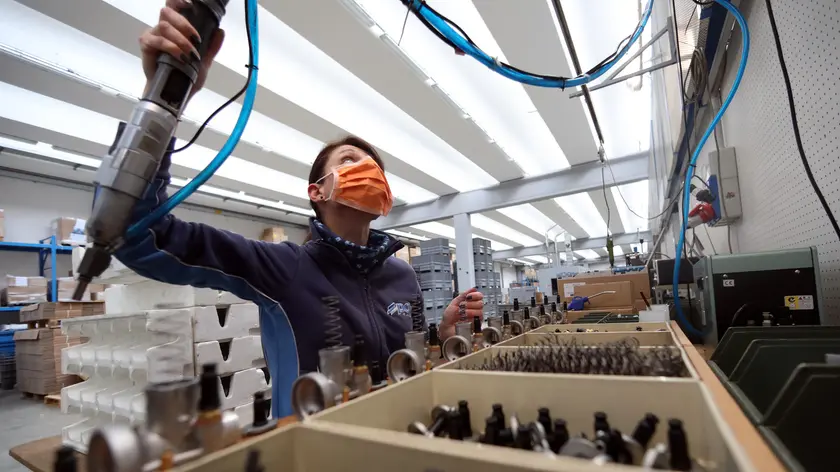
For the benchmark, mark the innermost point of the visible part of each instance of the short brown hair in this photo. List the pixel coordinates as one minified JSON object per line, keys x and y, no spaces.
{"x":320,"y":164}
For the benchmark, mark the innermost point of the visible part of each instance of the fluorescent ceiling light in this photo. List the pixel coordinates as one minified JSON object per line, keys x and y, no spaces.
{"x":540,"y":259}
{"x":499,"y":106}
{"x":583,"y":210}
{"x":293,"y":68}
{"x":491,"y":226}
{"x":83,"y":56}
{"x":244,"y":197}
{"x":617,"y":251}
{"x":588,"y":254}
{"x":636,"y":195}
{"x":520,"y":261}
{"x":46,"y":150}
{"x":404,"y":234}
{"x":529,"y":216}
{"x":597,"y":27}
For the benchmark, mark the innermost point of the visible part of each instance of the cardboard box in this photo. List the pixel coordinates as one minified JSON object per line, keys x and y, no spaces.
{"x":640,"y":280}
{"x":18,"y":290}
{"x":275,"y":234}
{"x":2,"y":225}
{"x":69,"y":230}
{"x":60,"y":310}
{"x":572,"y":316}
{"x":67,"y":285}
{"x":38,"y":360}
{"x":623,"y":295}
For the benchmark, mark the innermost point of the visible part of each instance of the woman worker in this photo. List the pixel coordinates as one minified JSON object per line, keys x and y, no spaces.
{"x":344,"y":257}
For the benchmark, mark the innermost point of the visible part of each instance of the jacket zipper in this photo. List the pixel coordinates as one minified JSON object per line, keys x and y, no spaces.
{"x":372,"y":314}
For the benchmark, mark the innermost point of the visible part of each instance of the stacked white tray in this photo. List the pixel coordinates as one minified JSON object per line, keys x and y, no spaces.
{"x":156,"y":332}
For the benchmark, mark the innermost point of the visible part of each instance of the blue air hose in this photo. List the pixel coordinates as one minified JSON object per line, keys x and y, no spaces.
{"x":467,"y":47}
{"x":745,"y":49}
{"x":247,"y":105}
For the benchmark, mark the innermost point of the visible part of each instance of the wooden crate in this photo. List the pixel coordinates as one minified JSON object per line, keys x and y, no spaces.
{"x":649,"y":338}
{"x":60,"y":310}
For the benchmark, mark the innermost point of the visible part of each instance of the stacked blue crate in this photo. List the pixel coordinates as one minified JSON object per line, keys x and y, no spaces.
{"x":434,"y":273}
{"x":8,"y":376}
{"x":485,"y":277}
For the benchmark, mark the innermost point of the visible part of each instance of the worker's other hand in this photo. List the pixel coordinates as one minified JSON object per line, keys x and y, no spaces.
{"x":175,"y":35}
{"x":472,"y":301}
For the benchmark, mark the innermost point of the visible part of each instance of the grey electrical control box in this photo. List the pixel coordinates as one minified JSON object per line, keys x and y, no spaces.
{"x":775,"y":287}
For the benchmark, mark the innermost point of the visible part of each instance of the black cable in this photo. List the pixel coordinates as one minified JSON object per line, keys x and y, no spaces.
{"x":232,"y":99}
{"x":606,"y":201}
{"x":795,"y":122}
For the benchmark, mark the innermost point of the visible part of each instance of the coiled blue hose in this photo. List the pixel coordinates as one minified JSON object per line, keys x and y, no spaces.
{"x":464,"y":45}
{"x":244,"y":114}
{"x":745,"y":49}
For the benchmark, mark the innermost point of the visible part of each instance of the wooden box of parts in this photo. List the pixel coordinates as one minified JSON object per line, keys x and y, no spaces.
{"x":640,"y":338}
{"x":38,"y":360}
{"x":572,"y":316}
{"x":54,"y":312}
{"x":625,"y":401}
{"x":21,"y":290}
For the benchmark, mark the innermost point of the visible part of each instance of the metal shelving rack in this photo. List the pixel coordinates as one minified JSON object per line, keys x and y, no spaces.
{"x":47,"y":248}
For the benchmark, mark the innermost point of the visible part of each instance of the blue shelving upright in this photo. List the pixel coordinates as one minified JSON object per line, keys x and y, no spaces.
{"x":47,"y":248}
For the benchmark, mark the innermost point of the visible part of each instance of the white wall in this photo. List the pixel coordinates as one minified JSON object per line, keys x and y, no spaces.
{"x":29,"y":208}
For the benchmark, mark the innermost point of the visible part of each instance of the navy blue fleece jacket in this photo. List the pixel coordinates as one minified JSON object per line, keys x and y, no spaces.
{"x":287,"y":281}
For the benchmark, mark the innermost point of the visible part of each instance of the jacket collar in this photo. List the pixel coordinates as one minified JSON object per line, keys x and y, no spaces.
{"x":362,"y":258}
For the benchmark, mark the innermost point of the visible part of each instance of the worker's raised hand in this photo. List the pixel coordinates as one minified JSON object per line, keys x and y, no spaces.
{"x":470,"y":302}
{"x":175,"y":35}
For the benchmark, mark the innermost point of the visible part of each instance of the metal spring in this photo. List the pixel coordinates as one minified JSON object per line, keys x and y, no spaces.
{"x":333,"y":321}
{"x":618,"y":358}
{"x":417,"y":314}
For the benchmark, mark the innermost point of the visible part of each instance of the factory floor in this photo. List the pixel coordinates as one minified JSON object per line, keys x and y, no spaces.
{"x":26,"y":419}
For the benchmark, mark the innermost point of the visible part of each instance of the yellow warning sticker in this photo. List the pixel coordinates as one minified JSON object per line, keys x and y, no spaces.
{"x":799,"y":302}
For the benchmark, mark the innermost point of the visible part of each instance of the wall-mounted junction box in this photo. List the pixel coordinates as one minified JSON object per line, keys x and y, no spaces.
{"x":723,"y":183}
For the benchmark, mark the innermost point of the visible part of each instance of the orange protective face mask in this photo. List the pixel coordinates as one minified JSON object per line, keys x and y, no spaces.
{"x":362,"y":185}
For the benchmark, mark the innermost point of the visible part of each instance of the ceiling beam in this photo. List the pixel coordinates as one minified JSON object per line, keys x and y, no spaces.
{"x":578,"y":244}
{"x":109,"y":24}
{"x":577,"y":179}
{"x":333,"y":28}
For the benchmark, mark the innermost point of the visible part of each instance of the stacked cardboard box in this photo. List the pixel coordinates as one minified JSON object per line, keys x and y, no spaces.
{"x":69,"y":231}
{"x":19,"y":290}
{"x":67,"y":285}
{"x":38,"y":358}
{"x":274,"y":235}
{"x":53,"y":313}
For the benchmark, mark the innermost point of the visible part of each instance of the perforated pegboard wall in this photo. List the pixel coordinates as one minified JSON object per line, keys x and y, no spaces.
{"x":780,"y":208}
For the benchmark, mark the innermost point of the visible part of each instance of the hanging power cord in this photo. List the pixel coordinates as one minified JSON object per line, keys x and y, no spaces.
{"x":745,"y":48}
{"x":453,"y":35}
{"x":794,"y":121}
{"x":252,"y":31}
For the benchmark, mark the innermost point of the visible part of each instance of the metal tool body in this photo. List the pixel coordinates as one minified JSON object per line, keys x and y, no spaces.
{"x":130,"y":166}
{"x":337,"y":381}
{"x":492,"y":333}
{"x":411,"y":360}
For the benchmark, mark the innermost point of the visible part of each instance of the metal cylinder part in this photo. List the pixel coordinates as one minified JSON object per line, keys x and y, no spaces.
{"x":491,"y":335}
{"x":334,"y":363}
{"x":416,"y":341}
{"x":533,"y":323}
{"x":171,"y":409}
{"x":404,"y":364}
{"x":456,"y":347}
{"x":516,"y":327}
{"x":464,"y":329}
{"x":495,"y":322}
{"x":313,"y":392}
